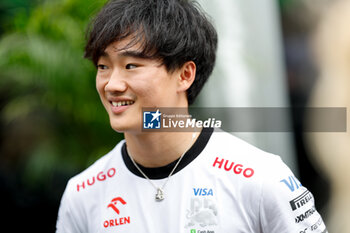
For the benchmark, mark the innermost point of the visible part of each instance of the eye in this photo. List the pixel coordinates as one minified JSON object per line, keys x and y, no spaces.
{"x":130,"y":66}
{"x":102,"y":67}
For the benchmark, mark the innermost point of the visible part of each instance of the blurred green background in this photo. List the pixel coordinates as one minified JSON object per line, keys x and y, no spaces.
{"x":52,"y":124}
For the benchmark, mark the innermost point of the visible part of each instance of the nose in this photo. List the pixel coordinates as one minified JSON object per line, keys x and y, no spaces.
{"x":116,"y":83}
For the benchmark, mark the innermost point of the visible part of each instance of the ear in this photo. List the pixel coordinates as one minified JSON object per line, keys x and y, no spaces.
{"x":187,"y":76}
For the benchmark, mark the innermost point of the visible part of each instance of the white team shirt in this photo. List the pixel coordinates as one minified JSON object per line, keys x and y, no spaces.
{"x":222,"y":185}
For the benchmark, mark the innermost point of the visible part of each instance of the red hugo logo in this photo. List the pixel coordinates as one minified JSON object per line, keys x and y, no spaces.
{"x":236,"y":168}
{"x":101,"y":176}
{"x":117,"y":221}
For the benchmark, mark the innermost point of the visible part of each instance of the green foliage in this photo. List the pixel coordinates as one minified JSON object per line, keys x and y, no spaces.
{"x":11,"y":8}
{"x":49,"y":90}
{"x":285,"y":4}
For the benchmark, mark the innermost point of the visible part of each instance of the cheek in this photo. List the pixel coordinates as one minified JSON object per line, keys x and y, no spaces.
{"x":143,"y":86}
{"x":145,"y":91}
{"x":100,"y":85}
{"x":156,"y":92}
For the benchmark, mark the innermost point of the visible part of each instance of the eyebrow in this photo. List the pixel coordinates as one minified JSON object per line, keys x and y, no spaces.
{"x":134,"y":54}
{"x":127,"y":53}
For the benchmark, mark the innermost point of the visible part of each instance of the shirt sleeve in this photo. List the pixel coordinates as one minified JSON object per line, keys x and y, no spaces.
{"x":286,"y":205}
{"x":68,"y":220}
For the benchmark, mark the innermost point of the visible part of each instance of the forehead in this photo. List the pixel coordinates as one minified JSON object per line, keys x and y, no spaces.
{"x":129,"y":47}
{"x":119,"y":46}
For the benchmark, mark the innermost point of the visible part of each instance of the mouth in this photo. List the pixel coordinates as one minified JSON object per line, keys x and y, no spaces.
{"x":118,"y":107}
{"x":122,"y":103}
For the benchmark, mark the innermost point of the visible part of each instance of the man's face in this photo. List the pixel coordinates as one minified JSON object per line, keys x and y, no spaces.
{"x":126,"y":82}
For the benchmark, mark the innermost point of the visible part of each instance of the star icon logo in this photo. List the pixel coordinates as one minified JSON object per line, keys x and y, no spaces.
{"x":151,"y":120}
{"x":156,"y":115}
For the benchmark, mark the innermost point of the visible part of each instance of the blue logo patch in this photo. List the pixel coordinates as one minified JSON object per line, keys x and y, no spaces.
{"x":151,"y":120}
{"x":292,"y":183}
{"x":203,"y":192}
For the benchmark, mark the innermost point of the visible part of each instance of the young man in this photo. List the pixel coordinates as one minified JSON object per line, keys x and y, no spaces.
{"x":159,"y":53}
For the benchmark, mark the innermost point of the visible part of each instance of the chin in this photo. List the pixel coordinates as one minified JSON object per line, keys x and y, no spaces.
{"x":120,"y":128}
{"x":123,"y":127}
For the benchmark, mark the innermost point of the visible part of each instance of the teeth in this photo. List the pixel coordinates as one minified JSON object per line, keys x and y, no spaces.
{"x":122,"y":103}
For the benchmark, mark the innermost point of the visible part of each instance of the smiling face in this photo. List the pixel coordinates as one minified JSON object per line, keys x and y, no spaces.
{"x":127,"y":81}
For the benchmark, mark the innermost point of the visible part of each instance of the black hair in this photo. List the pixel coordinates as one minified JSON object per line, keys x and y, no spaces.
{"x":174,"y":31}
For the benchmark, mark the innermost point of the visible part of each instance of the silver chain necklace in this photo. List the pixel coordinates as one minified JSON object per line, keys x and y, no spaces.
{"x":160,"y":190}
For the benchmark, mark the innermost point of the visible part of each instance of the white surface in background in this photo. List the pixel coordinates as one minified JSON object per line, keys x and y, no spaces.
{"x":249,"y":70}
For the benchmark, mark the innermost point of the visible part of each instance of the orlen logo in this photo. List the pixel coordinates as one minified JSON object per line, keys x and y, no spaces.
{"x":117,"y":221}
{"x":101,"y":176}
{"x":236,"y":168}
{"x":114,"y":202}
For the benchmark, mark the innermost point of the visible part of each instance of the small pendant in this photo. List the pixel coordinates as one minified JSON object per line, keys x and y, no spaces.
{"x":159,"y":195}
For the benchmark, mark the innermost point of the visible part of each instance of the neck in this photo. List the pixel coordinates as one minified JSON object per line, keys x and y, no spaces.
{"x":158,"y":149}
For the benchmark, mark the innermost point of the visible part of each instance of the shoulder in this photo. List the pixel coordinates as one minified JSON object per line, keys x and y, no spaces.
{"x":101,"y":170}
{"x":283,"y":203}
{"x":256,"y":171}
{"x":224,"y":141}
{"x":228,"y":149}
{"x":238,"y":163}
{"x":83,"y":188}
